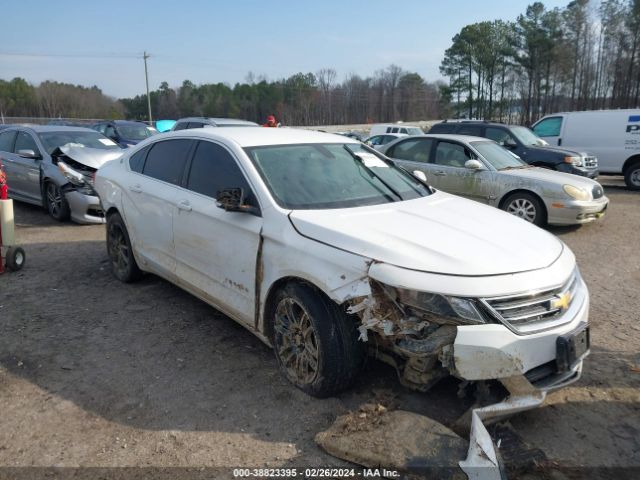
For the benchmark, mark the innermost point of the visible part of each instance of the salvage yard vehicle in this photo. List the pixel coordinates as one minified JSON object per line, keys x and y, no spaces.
{"x":379,"y":141}
{"x":53,"y":166}
{"x":200,"y":122}
{"x":382,"y":128}
{"x":526,"y":144}
{"x":614,"y":135}
{"x":482,"y":170}
{"x":321,"y":247}
{"x":125,"y":133}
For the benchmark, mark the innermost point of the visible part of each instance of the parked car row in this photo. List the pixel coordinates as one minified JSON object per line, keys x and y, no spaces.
{"x":324,"y":248}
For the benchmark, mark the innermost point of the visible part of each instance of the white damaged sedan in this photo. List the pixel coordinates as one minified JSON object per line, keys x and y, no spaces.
{"x":325,"y":250}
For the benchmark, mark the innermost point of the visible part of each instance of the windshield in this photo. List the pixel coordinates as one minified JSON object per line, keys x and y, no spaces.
{"x":53,"y":140}
{"x":499,"y":157}
{"x":526,"y":136}
{"x":333,"y":175}
{"x":136,"y":132}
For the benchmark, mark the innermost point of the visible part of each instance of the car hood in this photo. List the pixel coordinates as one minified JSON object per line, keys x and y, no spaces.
{"x":537,"y":174}
{"x":440,"y":233}
{"x":558,"y":150}
{"x":91,"y":157}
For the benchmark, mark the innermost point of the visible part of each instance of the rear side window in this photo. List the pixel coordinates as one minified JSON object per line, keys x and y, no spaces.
{"x":413,"y":150}
{"x":6,"y":141}
{"x":181,"y":126}
{"x":136,"y":162}
{"x":195,"y":125}
{"x":549,"y":127}
{"x":475,"y":130}
{"x":24,"y":141}
{"x":213,"y":169}
{"x":166,"y":160}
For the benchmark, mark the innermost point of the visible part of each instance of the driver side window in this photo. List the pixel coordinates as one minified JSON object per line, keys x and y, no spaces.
{"x":213,"y":169}
{"x":452,"y":155}
{"x":499,"y":135}
{"x":24,"y":141}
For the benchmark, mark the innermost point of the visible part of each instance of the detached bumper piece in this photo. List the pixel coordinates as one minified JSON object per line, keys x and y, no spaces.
{"x":482,"y":461}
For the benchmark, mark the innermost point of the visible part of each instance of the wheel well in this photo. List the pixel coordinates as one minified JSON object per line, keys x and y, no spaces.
{"x":522,"y":190}
{"x":630,"y":161}
{"x":269,"y":305}
{"x":111,"y":211}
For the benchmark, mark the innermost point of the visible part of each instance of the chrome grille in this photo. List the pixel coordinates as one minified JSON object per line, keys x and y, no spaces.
{"x":590,"y":162}
{"x":529,"y":313}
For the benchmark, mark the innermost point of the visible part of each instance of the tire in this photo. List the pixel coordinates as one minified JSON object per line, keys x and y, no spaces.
{"x":123,"y":263}
{"x":319,"y":351}
{"x":57,"y":205}
{"x":15,"y":258}
{"x":526,"y":206}
{"x":632,"y":176}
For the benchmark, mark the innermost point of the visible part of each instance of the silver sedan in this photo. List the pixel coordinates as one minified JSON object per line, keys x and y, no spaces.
{"x":482,"y":170}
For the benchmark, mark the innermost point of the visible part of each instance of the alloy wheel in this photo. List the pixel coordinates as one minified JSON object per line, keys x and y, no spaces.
{"x":523,"y":208}
{"x":54,"y":200}
{"x":296,"y":341}
{"x":119,"y":251}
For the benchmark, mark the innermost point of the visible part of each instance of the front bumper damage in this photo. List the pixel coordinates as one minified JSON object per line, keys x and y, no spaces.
{"x":527,"y":365}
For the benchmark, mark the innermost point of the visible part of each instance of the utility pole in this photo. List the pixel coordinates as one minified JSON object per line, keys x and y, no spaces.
{"x":146,"y":76}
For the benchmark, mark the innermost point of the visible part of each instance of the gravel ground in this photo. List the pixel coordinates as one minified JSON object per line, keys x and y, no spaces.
{"x":95,"y":373}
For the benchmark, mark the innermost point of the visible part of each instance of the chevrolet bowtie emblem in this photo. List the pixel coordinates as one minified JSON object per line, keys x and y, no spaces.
{"x":561,"y":301}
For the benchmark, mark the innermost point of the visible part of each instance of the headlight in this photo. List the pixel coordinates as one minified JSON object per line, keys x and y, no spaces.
{"x":576,"y":193}
{"x":461,"y":310}
{"x":81,"y":181}
{"x":573,"y":160}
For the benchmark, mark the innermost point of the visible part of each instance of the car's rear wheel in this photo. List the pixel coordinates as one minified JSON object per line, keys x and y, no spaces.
{"x":123,"y":263}
{"x":316,"y":343}
{"x":57,"y":205}
{"x":526,"y":206}
{"x":632,"y":176}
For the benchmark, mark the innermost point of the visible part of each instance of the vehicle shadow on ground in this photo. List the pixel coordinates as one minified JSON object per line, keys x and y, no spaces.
{"x":151,"y":356}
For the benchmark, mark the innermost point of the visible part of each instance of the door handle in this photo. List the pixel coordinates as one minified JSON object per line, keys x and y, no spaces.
{"x":184,"y":205}
{"x":136,"y":188}
{"x":559,"y":142}
{"x":440,"y":173}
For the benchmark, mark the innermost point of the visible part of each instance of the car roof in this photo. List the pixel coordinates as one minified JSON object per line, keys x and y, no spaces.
{"x":53,"y":128}
{"x":455,"y":137}
{"x":476,"y":122}
{"x":251,"y":137}
{"x":217,"y":120}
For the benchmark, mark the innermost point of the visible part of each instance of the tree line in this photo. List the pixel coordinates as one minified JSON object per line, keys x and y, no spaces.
{"x":584,"y":56}
{"x":391,"y":94}
{"x":18,"y":98}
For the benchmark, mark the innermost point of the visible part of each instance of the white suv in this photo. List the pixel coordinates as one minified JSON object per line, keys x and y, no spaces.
{"x":321,"y":247}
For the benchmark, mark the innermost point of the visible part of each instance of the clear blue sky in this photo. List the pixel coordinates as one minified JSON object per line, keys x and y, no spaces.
{"x":101,"y":43}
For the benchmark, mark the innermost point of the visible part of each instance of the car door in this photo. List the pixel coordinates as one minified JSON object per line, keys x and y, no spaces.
{"x":449,"y":163}
{"x":149,"y":201}
{"x":7,"y":140}
{"x":414,"y":154}
{"x":216,"y":250}
{"x":24,"y":174}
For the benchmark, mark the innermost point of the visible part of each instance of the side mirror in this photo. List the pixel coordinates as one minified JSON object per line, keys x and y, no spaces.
{"x":419,"y":174}
{"x":232,"y":200}
{"x":510,"y":144}
{"x":29,"y":154}
{"x":473,"y":165}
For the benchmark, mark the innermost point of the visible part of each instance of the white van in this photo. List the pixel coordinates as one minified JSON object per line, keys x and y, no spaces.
{"x":382,"y":128}
{"x":611,"y":135}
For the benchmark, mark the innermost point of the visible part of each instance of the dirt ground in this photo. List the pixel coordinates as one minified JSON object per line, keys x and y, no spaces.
{"x":95,"y":373}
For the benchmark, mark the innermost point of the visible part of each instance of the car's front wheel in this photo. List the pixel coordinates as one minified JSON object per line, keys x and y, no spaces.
{"x":56,"y":203}
{"x":526,"y":206}
{"x":632,"y":176}
{"x":315,"y":341}
{"x":123,"y":263}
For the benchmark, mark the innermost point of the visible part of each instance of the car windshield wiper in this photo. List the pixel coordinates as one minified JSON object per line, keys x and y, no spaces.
{"x":371,"y":173}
